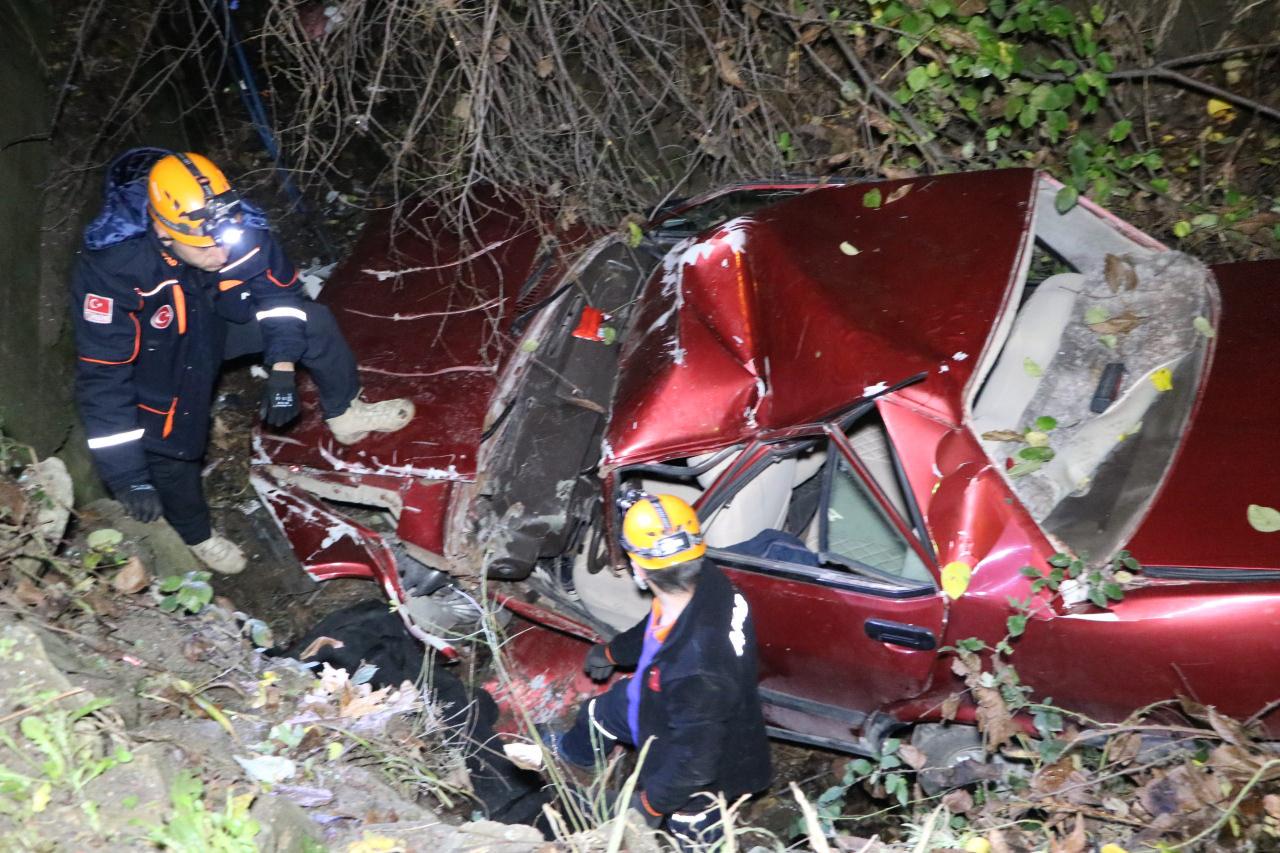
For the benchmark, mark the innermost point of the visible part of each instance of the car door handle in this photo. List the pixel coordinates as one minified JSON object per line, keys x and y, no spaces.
{"x":899,"y":634}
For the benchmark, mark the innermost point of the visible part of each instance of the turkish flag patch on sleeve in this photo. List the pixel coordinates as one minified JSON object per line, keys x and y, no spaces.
{"x":97,"y":309}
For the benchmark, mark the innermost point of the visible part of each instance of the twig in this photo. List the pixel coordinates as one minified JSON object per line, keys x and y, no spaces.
{"x":931,"y":152}
{"x":36,"y":707}
{"x":1231,"y":810}
{"x":1164,"y":72}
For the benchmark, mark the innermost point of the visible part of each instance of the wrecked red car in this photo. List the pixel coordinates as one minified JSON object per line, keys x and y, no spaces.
{"x":884,"y":399}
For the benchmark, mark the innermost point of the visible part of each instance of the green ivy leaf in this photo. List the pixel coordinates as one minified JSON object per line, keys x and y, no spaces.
{"x":1044,"y":423}
{"x":1120,"y":130}
{"x":1024,"y":468}
{"x":1113,"y":591}
{"x":1066,"y":199}
{"x":1095,"y":314}
{"x":871,"y":198}
{"x":1060,"y":560}
{"x":1030,"y":572}
{"x":1098,"y":597}
{"x":1036,"y":454}
{"x":1032,"y":369}
{"x":1181,"y":228}
{"x":917,"y":78}
{"x":1016,"y":624}
{"x":104,"y":539}
{"x":170,"y":583}
{"x":1108,"y":341}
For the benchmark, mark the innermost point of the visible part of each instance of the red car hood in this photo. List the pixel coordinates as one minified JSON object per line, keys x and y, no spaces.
{"x":428,"y":316}
{"x":794,"y":312}
{"x":1228,"y":459}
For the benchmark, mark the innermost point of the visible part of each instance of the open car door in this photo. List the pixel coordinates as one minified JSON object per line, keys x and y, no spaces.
{"x":823,"y":538}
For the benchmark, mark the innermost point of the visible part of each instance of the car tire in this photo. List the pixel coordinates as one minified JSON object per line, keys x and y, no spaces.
{"x":955,"y":756}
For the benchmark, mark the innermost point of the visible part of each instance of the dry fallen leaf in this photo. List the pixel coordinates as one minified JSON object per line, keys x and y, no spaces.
{"x":317,"y":644}
{"x":728,"y":70}
{"x":1119,"y":324}
{"x":1181,"y":790}
{"x":1124,"y":748}
{"x":958,"y":801}
{"x":1004,"y":435}
{"x":1120,"y":274}
{"x":1228,"y":729}
{"x":28,"y":593}
{"x":1271,"y":803}
{"x":132,"y":578}
{"x":913,"y":756}
{"x":899,"y":193}
{"x":1076,"y":842}
{"x":196,"y":648}
{"x":950,"y":706}
{"x":544,"y":67}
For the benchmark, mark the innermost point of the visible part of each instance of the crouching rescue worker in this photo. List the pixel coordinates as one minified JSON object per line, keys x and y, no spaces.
{"x":178,"y":273}
{"x":693,"y":697}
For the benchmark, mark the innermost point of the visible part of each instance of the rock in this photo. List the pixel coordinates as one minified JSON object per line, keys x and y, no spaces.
{"x":134,"y":794}
{"x":488,"y":835}
{"x":50,"y":479}
{"x":286,"y":828}
{"x":157,"y":544}
{"x":28,"y":670}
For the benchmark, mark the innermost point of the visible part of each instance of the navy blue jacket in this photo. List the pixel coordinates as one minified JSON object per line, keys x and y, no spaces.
{"x":699,"y":700}
{"x":149,"y":334}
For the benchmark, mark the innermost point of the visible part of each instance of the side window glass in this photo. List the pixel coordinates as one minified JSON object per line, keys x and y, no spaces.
{"x":859,"y":533}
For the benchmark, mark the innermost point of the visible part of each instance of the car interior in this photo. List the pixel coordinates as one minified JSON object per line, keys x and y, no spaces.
{"x":1093,"y":346}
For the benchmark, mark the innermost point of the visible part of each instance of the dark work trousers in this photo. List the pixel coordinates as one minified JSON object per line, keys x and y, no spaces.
{"x":333,"y":369}
{"x":602,"y":724}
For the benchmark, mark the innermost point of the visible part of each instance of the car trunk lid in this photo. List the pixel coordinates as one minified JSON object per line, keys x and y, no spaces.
{"x":1227,"y":460}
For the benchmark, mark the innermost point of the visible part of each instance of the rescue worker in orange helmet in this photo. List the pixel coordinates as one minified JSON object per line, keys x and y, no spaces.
{"x":693,"y":697}
{"x":178,"y":273}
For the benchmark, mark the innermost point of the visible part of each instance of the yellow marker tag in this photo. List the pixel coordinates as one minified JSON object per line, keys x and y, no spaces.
{"x":1112,"y":848}
{"x":955,"y":579}
{"x":1162,"y":379}
{"x":1220,"y":111}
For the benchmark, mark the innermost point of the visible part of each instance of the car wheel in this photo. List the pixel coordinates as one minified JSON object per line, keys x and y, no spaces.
{"x":955,"y":757}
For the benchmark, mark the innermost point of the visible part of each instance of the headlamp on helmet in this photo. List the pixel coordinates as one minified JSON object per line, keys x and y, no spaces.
{"x":659,"y":531}
{"x":192,"y":203}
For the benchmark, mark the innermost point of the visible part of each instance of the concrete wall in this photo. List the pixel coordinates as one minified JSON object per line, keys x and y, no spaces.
{"x":35,"y":346}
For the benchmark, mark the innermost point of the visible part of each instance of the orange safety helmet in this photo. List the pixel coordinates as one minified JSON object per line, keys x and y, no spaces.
{"x":192,"y":201}
{"x":660,"y":531}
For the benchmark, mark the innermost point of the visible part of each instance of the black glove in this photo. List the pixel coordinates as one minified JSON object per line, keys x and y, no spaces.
{"x":638,"y":806}
{"x":598,"y":666}
{"x":280,"y":399}
{"x":141,"y":501}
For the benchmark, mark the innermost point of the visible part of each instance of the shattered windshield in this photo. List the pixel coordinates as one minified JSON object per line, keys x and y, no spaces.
{"x":721,"y":209}
{"x":1087,"y":400}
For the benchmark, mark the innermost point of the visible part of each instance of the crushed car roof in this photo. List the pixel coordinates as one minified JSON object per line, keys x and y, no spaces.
{"x":792,"y":313}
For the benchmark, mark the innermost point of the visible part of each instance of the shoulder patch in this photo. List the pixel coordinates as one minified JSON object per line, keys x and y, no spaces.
{"x":97,"y":309}
{"x":162,"y":318}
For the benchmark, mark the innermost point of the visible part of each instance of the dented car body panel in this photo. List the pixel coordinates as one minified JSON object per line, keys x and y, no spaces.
{"x":815,"y":286}
{"x":820,"y":376}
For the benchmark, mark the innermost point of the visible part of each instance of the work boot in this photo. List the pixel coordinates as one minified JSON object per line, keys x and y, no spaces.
{"x":362,"y":418}
{"x":220,"y":554}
